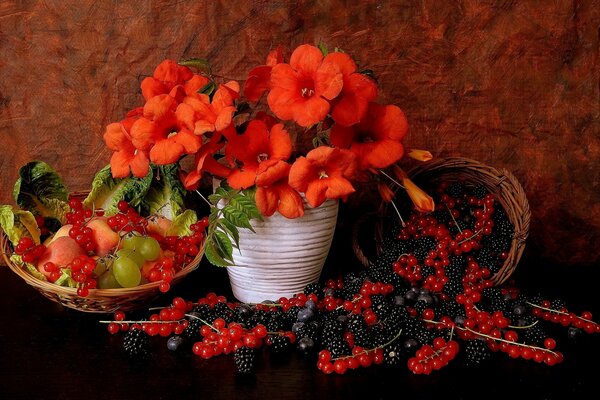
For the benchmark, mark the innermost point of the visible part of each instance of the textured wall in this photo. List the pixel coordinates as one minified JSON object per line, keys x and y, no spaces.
{"x":513,"y":84}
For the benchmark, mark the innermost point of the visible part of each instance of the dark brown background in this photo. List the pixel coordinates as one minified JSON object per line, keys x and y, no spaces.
{"x":513,"y":84}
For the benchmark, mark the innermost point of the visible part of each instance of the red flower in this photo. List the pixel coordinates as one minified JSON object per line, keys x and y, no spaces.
{"x":302,"y":89}
{"x":167,"y":75}
{"x":255,"y":145}
{"x":376,"y":140}
{"x":201,"y":116}
{"x":259,"y":77}
{"x":161,"y":133}
{"x":273,"y":192}
{"x":204,"y":162}
{"x":324,"y":173}
{"x":358,"y":90}
{"x":126,"y":158}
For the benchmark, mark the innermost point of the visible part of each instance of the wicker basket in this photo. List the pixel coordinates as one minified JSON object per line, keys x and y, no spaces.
{"x":98,"y":300}
{"x":500,"y":182}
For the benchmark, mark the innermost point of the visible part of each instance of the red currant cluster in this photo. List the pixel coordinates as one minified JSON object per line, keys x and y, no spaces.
{"x":78,"y":214}
{"x":28,"y":250}
{"x":127,"y":219}
{"x":360,"y":358}
{"x":564,"y":317}
{"x":185,"y":248}
{"x":429,"y":358}
{"x":82,"y":271}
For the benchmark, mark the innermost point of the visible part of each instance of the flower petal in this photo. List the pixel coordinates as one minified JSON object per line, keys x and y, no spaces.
{"x":275,"y":56}
{"x":242,"y":178}
{"x":115,"y":137}
{"x":328,"y":80}
{"x":306,"y":58}
{"x":159,"y":106}
{"x":190,"y":142}
{"x":310,"y":111}
{"x":316,"y":193}
{"x":341,"y":136}
{"x":143,"y":134}
{"x":152,"y":87}
{"x":380,"y":154}
{"x":302,"y":173}
{"x":119,"y":164}
{"x":283,"y":76}
{"x":280,"y":143}
{"x":290,"y":203}
{"x":258,"y":82}
{"x":386,"y":121}
{"x":344,"y":62}
{"x":140,"y":164}
{"x":422,"y":201}
{"x":166,"y":151}
{"x":266,"y":201}
{"x":271,"y":171}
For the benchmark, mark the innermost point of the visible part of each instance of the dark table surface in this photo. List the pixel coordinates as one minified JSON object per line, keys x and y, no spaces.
{"x":51,"y":352}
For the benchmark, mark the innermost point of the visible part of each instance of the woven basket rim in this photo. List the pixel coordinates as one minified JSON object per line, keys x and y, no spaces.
{"x":506,"y":188}
{"x":140,"y":290}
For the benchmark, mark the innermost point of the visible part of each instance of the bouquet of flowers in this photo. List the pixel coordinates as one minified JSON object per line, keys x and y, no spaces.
{"x":298,"y":133}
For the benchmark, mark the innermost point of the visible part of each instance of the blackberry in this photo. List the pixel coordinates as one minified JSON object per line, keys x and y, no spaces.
{"x":222,"y":310}
{"x":558,"y":304}
{"x":359,"y":328}
{"x":415,"y":328}
{"x":476,"y":352}
{"x":245,"y":360}
{"x":479,"y":191}
{"x":276,"y":321}
{"x":427,"y":270}
{"x":136,"y":343}
{"x":316,"y":288}
{"x":392,"y":354}
{"x":395,"y":318}
{"x":423,"y":246}
{"x":332,"y":338}
{"x":535,"y":335}
{"x":192,"y":330}
{"x":280,"y":343}
{"x":504,"y":227}
{"x":456,"y":190}
{"x":309,"y":330}
{"x":453,"y":287}
{"x":497,"y":243}
{"x":380,"y":305}
{"x":456,"y":268}
{"x":451,"y":308}
{"x":486,"y":258}
{"x":420,"y":306}
{"x":203,"y":311}
{"x":243,"y":312}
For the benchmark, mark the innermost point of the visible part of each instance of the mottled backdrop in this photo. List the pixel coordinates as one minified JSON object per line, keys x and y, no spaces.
{"x":513,"y":84}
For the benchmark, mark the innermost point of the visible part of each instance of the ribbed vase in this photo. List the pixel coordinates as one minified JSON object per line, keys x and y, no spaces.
{"x":283,"y":255}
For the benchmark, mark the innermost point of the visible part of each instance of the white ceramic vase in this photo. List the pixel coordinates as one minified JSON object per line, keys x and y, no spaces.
{"x":283,"y":255}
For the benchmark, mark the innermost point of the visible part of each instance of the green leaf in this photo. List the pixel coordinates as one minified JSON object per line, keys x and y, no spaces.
{"x":65,"y":279}
{"x":182,"y":223}
{"x":208,"y":89}
{"x":224,"y":245}
{"x":18,"y":260}
{"x":108,"y":191}
{"x":199,"y":63}
{"x":166,"y":194}
{"x":40,"y":189}
{"x":232,"y":231}
{"x":323,"y":48}
{"x":236,"y":217}
{"x":18,"y":223}
{"x":213,"y":256}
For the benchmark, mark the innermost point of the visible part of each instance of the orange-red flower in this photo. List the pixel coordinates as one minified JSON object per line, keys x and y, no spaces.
{"x":376,"y":140}
{"x":160,"y":132}
{"x":255,"y":145}
{"x":204,"y":162}
{"x":259,"y":77}
{"x":200,"y":115}
{"x":302,"y":89}
{"x":358,"y":90}
{"x":126,"y":158}
{"x":325,"y":173}
{"x":167,"y":75}
{"x":273,"y":192}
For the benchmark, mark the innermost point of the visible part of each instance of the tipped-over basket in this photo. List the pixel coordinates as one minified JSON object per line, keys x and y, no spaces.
{"x":98,"y":300}
{"x":499,"y":182}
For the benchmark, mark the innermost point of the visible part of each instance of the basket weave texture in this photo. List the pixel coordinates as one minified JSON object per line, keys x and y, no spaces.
{"x":98,"y":300}
{"x":499,"y":182}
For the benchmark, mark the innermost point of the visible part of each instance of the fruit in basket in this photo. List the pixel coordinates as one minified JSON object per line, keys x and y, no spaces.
{"x":60,"y":252}
{"x":104,"y":238}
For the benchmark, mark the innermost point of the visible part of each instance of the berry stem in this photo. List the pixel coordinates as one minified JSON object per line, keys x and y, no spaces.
{"x":508,"y":341}
{"x":469,"y":238}
{"x":367,"y":351}
{"x":453,"y":219}
{"x":141,"y":322}
{"x":203,"y":321}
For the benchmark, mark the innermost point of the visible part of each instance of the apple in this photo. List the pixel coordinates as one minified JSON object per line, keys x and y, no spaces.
{"x":105,"y":239}
{"x":60,"y":252}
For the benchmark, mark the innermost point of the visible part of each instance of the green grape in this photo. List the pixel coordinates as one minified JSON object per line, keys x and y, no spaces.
{"x":126,"y":272}
{"x":133,"y":254}
{"x":150,"y":248}
{"x":101,"y":266}
{"x":132,"y":241}
{"x":107,"y":281}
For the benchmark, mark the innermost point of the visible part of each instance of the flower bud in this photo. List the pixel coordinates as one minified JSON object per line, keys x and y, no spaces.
{"x":387,"y":194}
{"x":420,"y":155}
{"x":422,"y":201}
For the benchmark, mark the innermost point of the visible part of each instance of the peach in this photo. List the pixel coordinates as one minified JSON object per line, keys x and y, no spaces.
{"x":159,"y":225}
{"x":60,"y":252}
{"x":105,"y":239}
{"x":63,"y":231}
